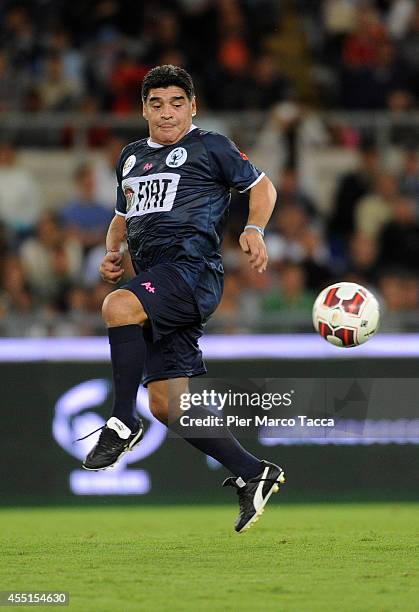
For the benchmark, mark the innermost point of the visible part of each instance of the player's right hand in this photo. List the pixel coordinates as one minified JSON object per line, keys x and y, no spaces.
{"x":254,"y":246}
{"x":110,"y":268}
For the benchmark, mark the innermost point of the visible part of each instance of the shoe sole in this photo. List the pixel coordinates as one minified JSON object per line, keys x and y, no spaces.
{"x":274,"y":489}
{"x":131,"y":445}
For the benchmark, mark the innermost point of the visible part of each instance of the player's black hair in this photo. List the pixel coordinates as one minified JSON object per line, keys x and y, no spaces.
{"x":165,"y":76}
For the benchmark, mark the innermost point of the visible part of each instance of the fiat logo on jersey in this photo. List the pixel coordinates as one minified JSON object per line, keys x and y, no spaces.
{"x":177,"y":157}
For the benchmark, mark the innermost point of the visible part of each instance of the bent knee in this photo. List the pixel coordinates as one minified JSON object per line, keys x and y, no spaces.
{"x":122,"y":307}
{"x":159,"y":407}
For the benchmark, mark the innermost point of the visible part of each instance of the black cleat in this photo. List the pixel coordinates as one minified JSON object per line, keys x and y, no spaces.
{"x":114,"y":441}
{"x":254,"y":494}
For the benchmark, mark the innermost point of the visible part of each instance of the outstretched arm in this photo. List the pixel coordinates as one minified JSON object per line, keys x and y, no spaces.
{"x":261,"y":205}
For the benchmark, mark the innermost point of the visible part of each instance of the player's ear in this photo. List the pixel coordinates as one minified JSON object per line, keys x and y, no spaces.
{"x":145,"y":113}
{"x":193,"y":106}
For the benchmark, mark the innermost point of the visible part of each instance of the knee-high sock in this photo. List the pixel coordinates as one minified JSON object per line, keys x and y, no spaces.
{"x":219,"y":443}
{"x":127,"y":355}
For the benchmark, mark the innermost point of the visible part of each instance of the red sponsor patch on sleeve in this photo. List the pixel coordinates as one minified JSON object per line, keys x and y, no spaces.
{"x":243,"y":156}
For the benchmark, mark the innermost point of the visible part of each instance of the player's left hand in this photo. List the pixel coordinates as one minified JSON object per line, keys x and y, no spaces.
{"x":254,"y":246}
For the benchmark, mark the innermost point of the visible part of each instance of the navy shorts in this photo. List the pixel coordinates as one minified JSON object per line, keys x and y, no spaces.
{"x":174,"y":324}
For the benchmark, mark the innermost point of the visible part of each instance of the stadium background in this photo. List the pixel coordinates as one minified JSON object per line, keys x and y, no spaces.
{"x":322,"y":96}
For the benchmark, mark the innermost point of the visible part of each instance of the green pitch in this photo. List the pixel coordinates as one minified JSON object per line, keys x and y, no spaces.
{"x":297,"y":558}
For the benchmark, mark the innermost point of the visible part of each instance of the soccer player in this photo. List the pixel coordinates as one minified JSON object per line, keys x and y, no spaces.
{"x":172,"y":199}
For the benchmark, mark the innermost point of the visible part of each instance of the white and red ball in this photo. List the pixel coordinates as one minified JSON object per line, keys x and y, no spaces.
{"x":346,"y":314}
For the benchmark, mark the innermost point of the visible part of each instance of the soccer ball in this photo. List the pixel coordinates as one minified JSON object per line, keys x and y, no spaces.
{"x":346,"y":314}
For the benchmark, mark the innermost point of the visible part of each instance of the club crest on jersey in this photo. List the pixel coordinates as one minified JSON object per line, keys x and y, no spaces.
{"x":177,"y":157}
{"x":147,"y":166}
{"x":129,"y":194}
{"x":129,"y":164}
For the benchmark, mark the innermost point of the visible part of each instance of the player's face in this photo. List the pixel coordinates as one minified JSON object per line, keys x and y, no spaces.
{"x":169,"y":114}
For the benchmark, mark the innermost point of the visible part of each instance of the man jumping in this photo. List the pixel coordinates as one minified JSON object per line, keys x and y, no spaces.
{"x":172,"y":200}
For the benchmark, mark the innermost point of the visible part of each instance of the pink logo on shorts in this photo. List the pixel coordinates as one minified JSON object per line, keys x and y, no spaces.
{"x":149,"y":287}
{"x":147,"y":166}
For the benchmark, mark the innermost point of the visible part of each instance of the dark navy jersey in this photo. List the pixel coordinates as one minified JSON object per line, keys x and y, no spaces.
{"x":175,"y":201}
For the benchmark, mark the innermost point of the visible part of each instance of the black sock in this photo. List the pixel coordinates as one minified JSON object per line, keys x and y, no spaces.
{"x":219,"y":443}
{"x":127,"y":355}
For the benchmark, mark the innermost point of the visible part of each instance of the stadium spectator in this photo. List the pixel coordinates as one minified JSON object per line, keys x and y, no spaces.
{"x":399,"y":16}
{"x":360,"y":47}
{"x":294,"y":126}
{"x":77,"y":319}
{"x":95,"y":135}
{"x":57,"y":92}
{"x":253,"y":288}
{"x":317,"y":261}
{"x":19,"y":37}
{"x":90,"y":275}
{"x":290,"y":192}
{"x":376,"y":208}
{"x":50,"y":260}
{"x":199,"y":32}
{"x":5,"y":241}
{"x":19,"y":193}
{"x":387,"y":78}
{"x":351,"y":187}
{"x":102,"y":55}
{"x":283,"y":240}
{"x":409,"y":52}
{"x":104,"y":171}
{"x":126,"y":76}
{"x":399,"y":239}
{"x":16,"y":295}
{"x":267,"y":85}
{"x":231,"y":70}
{"x":95,"y":300}
{"x":84,"y":218}
{"x":291,"y":294}
{"x":11,"y":88}
{"x":228,"y":315}
{"x":73,"y":61}
{"x":359,"y":55}
{"x":362,"y":261}
{"x":409,"y":178}
{"x":411,"y":289}
{"x":392,"y":286}
{"x":294,"y":238}
{"x":338,"y":17}
{"x":164,"y":35}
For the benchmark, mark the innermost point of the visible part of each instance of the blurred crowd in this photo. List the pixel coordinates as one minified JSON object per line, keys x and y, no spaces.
{"x":49,"y":274}
{"x":58,"y":56}
{"x":365,"y":52}
{"x":49,"y":278}
{"x":371,"y":237}
{"x":90,"y":57}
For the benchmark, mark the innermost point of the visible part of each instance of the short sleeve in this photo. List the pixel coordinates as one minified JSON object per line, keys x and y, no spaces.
{"x":229,"y":165}
{"x":121,"y":202}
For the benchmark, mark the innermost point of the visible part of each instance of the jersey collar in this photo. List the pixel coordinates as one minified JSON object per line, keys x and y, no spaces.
{"x":157,"y":145}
